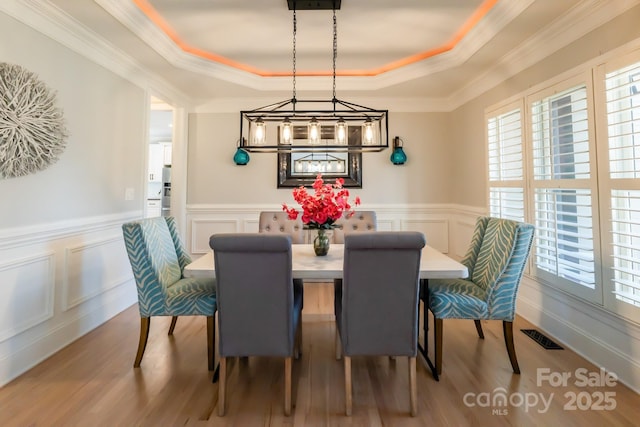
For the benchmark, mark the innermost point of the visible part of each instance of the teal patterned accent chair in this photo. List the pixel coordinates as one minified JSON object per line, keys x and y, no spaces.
{"x":496,"y":259}
{"x":158,"y":259}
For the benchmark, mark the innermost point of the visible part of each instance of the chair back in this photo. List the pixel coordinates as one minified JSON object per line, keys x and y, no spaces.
{"x":500,"y":262}
{"x":273,"y":222}
{"x":157,"y":258}
{"x":359,"y":221}
{"x":254,"y":294}
{"x":470,"y":257}
{"x":378,"y":311}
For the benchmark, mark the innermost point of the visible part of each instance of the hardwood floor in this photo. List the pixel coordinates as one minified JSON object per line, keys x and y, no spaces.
{"x":92,"y":382}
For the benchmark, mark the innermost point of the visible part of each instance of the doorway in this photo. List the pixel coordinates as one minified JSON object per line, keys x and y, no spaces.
{"x":160,"y":154}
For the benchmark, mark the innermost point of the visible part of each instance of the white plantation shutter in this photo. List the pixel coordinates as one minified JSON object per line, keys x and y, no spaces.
{"x":505,"y":159}
{"x":563,"y":189}
{"x":625,"y":225}
{"x":623,"y":134}
{"x":561,"y":136}
{"x":544,"y":168}
{"x":564,"y":234}
{"x":507,"y":202}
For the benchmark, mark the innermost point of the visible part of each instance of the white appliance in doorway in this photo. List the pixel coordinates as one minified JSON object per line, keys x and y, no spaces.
{"x":165,"y":198}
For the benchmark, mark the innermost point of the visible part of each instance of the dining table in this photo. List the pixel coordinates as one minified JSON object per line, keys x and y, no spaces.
{"x":305,"y":264}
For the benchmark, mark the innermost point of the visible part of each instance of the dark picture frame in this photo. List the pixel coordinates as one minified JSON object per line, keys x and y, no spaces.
{"x":288,"y":177}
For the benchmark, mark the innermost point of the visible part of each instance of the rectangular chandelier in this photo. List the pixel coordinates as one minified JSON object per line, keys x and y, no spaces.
{"x":314,"y":125}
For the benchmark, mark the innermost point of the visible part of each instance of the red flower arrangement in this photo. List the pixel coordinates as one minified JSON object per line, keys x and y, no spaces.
{"x":322,"y":209}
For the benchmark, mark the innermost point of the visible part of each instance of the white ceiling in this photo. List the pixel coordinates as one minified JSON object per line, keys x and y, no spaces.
{"x":257,"y":35}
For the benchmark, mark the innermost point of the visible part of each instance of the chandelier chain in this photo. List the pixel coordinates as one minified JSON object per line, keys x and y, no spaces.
{"x":335,"y":51}
{"x":295,"y":27}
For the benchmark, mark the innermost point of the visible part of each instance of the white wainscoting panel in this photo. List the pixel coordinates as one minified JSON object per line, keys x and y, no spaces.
{"x":251,"y":225}
{"x":27,"y":293}
{"x":436,"y":231}
{"x":202,"y":229}
{"x":93,"y":268}
{"x":59,"y":281}
{"x":461,"y":234}
{"x":385,"y":224}
{"x":205,"y":220}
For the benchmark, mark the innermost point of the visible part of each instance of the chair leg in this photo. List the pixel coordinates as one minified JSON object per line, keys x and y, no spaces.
{"x":437,"y":339}
{"x":479,"y":328}
{"x":507,"y":329}
{"x":298,"y":342}
{"x":347,"y":386}
{"x":222,"y":386}
{"x":211,"y":341}
{"x":287,"y":386}
{"x":338,"y":345}
{"x":145,"y":323}
{"x":174,"y":319}
{"x":413,"y":386}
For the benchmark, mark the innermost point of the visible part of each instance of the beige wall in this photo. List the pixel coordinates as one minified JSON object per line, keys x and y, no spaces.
{"x":468,"y":180}
{"x":105,"y":116}
{"x":213,"y":178}
{"x":63,"y":267}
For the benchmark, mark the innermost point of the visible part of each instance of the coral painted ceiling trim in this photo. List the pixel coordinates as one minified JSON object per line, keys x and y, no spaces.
{"x":161,"y":23}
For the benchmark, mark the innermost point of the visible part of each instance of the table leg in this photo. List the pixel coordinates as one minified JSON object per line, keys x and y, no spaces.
{"x":424,"y":350}
{"x":216,"y":374}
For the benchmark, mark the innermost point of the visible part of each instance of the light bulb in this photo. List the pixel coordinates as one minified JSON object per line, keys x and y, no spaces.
{"x":260,"y":132}
{"x":341,"y":132}
{"x":368,"y":132}
{"x":286,"y":131}
{"x":314,"y":131}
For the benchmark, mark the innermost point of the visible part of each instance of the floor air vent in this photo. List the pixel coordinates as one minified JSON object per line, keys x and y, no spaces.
{"x":542,"y":339}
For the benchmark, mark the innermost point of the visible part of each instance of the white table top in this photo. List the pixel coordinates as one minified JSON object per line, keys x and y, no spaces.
{"x":306,"y":265}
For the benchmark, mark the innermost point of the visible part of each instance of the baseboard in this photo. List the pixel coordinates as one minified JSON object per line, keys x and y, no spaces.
{"x":579,"y":339}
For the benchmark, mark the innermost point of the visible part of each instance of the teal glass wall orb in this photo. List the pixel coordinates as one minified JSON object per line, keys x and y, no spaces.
{"x":398,"y":157}
{"x":241,"y":157}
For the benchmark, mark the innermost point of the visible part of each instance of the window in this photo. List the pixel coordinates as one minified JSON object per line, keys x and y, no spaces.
{"x":544,"y":169}
{"x":622,"y":94}
{"x":563,"y":182}
{"x":506,"y":176}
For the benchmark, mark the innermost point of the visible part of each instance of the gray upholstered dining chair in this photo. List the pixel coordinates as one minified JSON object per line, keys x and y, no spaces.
{"x":259,"y":308}
{"x":377,"y":305}
{"x":278,"y":223}
{"x":274,"y":222}
{"x":358,"y":222}
{"x":158,"y":259}
{"x":495,"y":259}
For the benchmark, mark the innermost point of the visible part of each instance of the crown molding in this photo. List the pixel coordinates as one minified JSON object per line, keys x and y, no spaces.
{"x":579,"y":21}
{"x":129,"y":15}
{"x":394,"y":105}
{"x":586,"y":16}
{"x":48,"y":19}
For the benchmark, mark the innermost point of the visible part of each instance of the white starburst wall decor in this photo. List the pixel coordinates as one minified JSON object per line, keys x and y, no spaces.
{"x":32,"y":128}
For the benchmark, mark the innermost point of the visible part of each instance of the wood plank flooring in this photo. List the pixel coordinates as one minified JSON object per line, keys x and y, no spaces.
{"x":92,"y":382}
